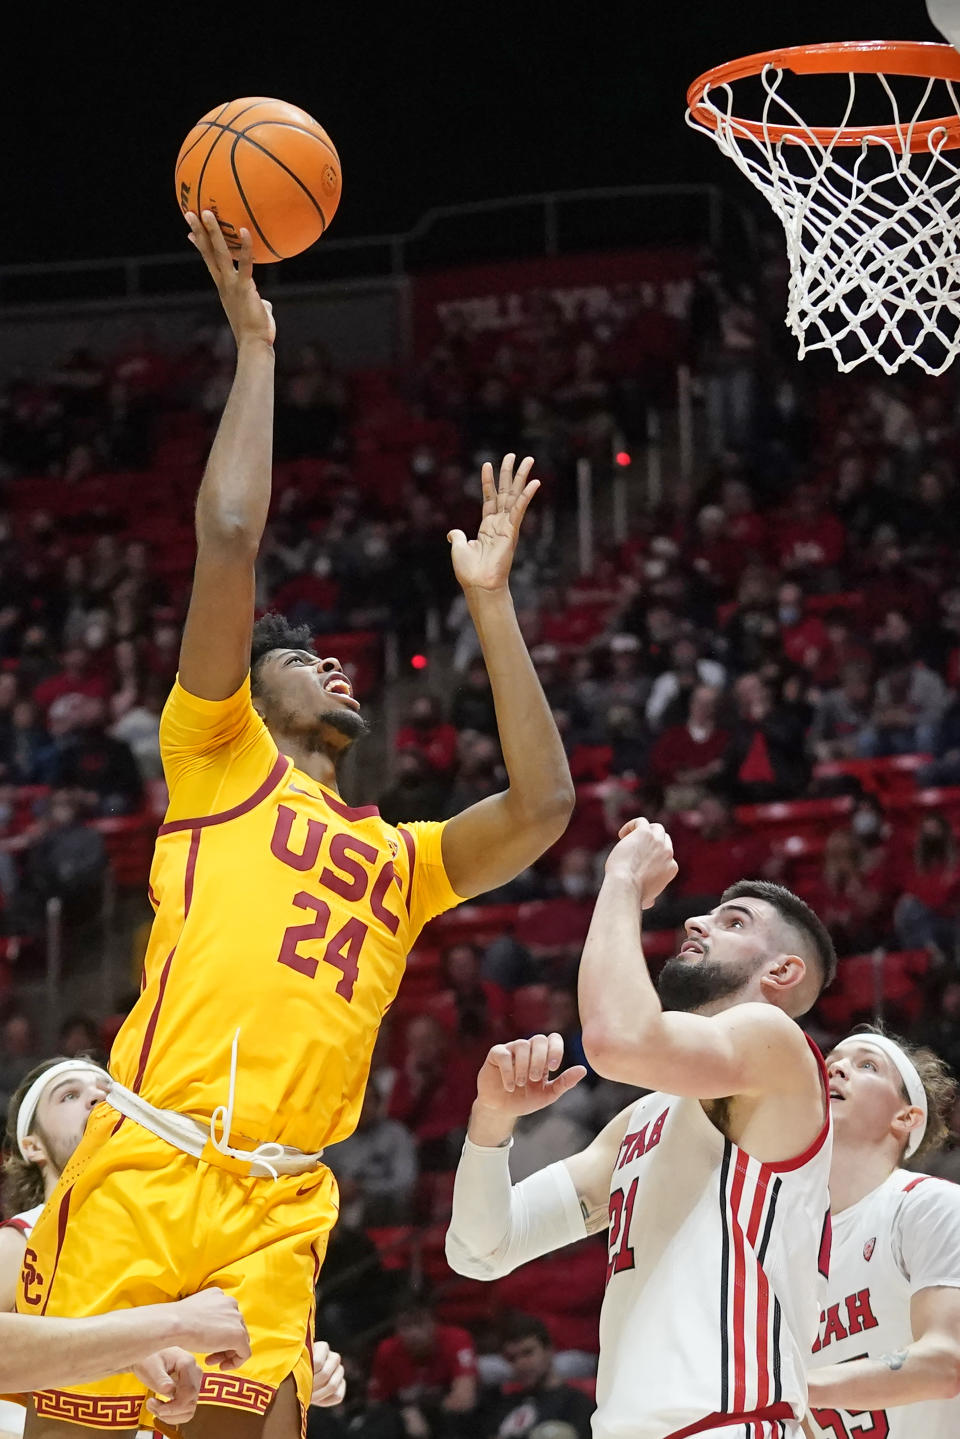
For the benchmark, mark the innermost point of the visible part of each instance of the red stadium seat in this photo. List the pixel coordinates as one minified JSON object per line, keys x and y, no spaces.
{"x":395,"y":1245}
{"x":804,"y":817}
{"x":887,"y":982}
{"x":129,"y":841}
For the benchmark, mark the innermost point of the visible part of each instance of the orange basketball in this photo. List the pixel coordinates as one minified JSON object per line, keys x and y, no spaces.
{"x":264,"y":165}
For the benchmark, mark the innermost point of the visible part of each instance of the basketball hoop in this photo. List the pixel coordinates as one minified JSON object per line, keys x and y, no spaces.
{"x":871,"y":212}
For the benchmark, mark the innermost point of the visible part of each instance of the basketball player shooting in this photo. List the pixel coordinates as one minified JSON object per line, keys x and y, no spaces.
{"x":713,"y":1187}
{"x":887,"y":1353}
{"x":283,"y":920}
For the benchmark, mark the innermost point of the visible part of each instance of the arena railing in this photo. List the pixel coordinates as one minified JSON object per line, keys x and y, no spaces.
{"x":549,"y":223}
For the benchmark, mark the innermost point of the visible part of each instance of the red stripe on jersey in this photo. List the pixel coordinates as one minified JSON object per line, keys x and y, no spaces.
{"x":914,"y":1182}
{"x":20,"y":1225}
{"x":801,"y":1159}
{"x":61,"y":1236}
{"x":280,"y":767}
{"x":152,"y":1022}
{"x":763,"y":1319}
{"x":759,"y":1200}
{"x":739,"y":1286}
{"x":725,"y":1421}
{"x":407,"y":838}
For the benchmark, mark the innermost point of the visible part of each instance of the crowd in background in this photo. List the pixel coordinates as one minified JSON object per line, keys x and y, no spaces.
{"x":785,"y":631}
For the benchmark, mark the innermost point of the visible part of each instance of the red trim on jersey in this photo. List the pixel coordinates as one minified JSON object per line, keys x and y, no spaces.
{"x":724,"y":1421}
{"x":763,"y":1318}
{"x":914,"y":1182}
{"x":61,"y":1236}
{"x":759,"y":1200}
{"x":364,"y":811}
{"x":20,"y":1225}
{"x":188,"y":879}
{"x":739,"y":1285}
{"x":271,"y":782}
{"x":408,"y":840}
{"x":786,"y":1165}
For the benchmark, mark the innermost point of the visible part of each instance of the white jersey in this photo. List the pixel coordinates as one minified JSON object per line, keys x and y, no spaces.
{"x":902,"y":1237}
{"x":716,"y":1274}
{"x":12,"y":1415}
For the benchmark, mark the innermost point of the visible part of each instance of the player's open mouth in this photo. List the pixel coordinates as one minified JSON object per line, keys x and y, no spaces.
{"x":835,"y":1094}
{"x":338,"y":684}
{"x":691,"y":946}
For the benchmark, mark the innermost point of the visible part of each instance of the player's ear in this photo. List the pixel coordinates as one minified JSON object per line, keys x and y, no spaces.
{"x":33,"y":1150}
{"x":905,"y":1121}
{"x":783,"y":976}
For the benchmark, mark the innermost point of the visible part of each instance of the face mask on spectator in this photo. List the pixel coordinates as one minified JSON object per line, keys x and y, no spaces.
{"x":788,"y":614}
{"x":865,"y":824}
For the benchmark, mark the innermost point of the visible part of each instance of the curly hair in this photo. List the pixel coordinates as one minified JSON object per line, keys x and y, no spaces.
{"x":939,"y":1086}
{"x":22,"y":1179}
{"x":274,"y":631}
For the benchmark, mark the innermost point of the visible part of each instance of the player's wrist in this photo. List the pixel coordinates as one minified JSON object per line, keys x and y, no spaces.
{"x":489,"y":1127}
{"x":483,"y":597}
{"x":253,"y":345}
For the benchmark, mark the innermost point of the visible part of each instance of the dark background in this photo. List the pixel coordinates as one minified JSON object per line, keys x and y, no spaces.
{"x":428,"y":104}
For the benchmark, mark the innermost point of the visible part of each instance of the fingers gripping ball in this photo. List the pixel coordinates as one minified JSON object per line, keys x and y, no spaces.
{"x":263,"y":165}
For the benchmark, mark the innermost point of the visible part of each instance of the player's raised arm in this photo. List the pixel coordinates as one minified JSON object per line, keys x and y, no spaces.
{"x":497,"y":1225}
{"x":747,"y":1049}
{"x":235,"y":493}
{"x":492,"y":841}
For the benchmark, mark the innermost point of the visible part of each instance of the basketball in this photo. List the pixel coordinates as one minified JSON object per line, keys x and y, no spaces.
{"x":263,"y":165}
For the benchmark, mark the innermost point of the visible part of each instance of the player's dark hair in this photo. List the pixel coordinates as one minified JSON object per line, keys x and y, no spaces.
{"x":793,"y":911}
{"x":939,"y":1086}
{"x":517,"y":1327}
{"x":274,"y":631}
{"x":22,"y":1179}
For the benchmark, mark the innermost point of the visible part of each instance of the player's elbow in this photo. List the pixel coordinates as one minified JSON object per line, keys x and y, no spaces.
{"x":947,"y":1372}
{"x":462,"y":1260}
{"x":547,"y":813}
{"x":227,"y":532}
{"x":609,"y":1052}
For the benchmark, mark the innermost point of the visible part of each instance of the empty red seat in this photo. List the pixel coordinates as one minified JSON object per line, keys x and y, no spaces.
{"x":797,"y":816}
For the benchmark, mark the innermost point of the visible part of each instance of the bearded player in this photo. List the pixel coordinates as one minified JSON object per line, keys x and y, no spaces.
{"x":713,"y":1187}
{"x":887,"y":1354}
{"x":283,"y":918}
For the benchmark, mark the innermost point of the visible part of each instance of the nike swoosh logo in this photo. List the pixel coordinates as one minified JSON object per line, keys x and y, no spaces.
{"x":308,"y":1189}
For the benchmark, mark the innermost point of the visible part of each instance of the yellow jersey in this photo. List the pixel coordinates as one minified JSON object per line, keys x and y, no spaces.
{"x":281,"y":912}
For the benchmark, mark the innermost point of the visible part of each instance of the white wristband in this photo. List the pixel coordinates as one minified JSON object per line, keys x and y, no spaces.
{"x":496,"y":1226}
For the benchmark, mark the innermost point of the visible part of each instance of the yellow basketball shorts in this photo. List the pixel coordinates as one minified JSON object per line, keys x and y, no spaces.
{"x":135,"y":1221}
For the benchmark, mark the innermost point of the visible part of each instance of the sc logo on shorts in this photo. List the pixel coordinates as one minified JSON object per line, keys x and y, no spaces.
{"x":31,"y":1280}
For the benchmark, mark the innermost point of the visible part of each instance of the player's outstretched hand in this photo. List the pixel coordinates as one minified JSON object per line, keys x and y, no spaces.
{"x":329,"y":1380}
{"x":210,"y":1323}
{"x":174,"y":1377}
{"x":515,"y":1078}
{"x":484,"y":563}
{"x":644,"y":853}
{"x":251,"y":318}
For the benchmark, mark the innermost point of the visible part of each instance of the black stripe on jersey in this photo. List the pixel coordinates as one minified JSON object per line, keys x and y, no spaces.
{"x":777,"y":1385}
{"x":724,"y":1277}
{"x":765,"y":1240}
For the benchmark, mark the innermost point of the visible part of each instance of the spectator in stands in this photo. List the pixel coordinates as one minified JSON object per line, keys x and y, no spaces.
{"x":670,"y":696}
{"x":470,"y":1008}
{"x":67,"y":861}
{"x":629,"y":741}
{"x":752,"y":633}
{"x":926,"y":913}
{"x":428,"y":1371}
{"x":744,"y":524}
{"x":810,"y":541}
{"x":716,"y":556}
{"x":842,"y":715}
{"x":766,"y":758}
{"x":711,"y":853}
{"x":842,"y":647}
{"x":100,"y":770}
{"x":844,"y":896}
{"x":426,"y":730}
{"x":690,"y":755}
{"x":624,"y":683}
{"x":535,"y":1394}
{"x":79,"y":1037}
{"x":77,"y":676}
{"x":376,"y":1168}
{"x":909,"y":701}
{"x":28,"y":756}
{"x":803,"y":636}
{"x":19,"y":1051}
{"x":311,"y":403}
{"x":480,"y":774}
{"x":433,"y":1091}
{"x":417,"y":791}
{"x":472,"y":706}
{"x":944,"y":769}
{"x":136,"y":723}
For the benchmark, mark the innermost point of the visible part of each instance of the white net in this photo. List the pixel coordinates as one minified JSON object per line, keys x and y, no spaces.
{"x":873,"y":229}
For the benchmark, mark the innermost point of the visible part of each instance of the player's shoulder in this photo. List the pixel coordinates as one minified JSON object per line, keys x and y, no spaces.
{"x":917,"y":1196}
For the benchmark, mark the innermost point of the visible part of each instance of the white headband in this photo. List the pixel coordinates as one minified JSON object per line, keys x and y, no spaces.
{"x":35,"y":1093}
{"x":907,"y":1070}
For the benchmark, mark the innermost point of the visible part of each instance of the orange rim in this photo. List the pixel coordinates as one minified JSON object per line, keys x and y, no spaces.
{"x":920,"y":58}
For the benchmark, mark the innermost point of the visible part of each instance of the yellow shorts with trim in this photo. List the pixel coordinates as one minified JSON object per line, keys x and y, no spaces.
{"x":135,"y":1221}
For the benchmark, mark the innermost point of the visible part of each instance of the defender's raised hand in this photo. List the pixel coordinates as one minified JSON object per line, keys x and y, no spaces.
{"x":251,"y":318}
{"x":484,"y":563}
{"x":515,"y":1078}
{"x":644,"y":853}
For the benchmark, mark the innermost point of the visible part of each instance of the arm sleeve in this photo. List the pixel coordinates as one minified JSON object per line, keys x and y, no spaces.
{"x":926,"y":1235}
{"x":430,"y":891}
{"x":215,"y":753}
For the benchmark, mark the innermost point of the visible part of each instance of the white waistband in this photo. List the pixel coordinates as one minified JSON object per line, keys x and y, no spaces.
{"x":190,"y":1136}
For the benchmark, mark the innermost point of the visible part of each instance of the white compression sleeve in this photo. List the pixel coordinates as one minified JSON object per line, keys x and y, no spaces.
{"x":496,"y":1226}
